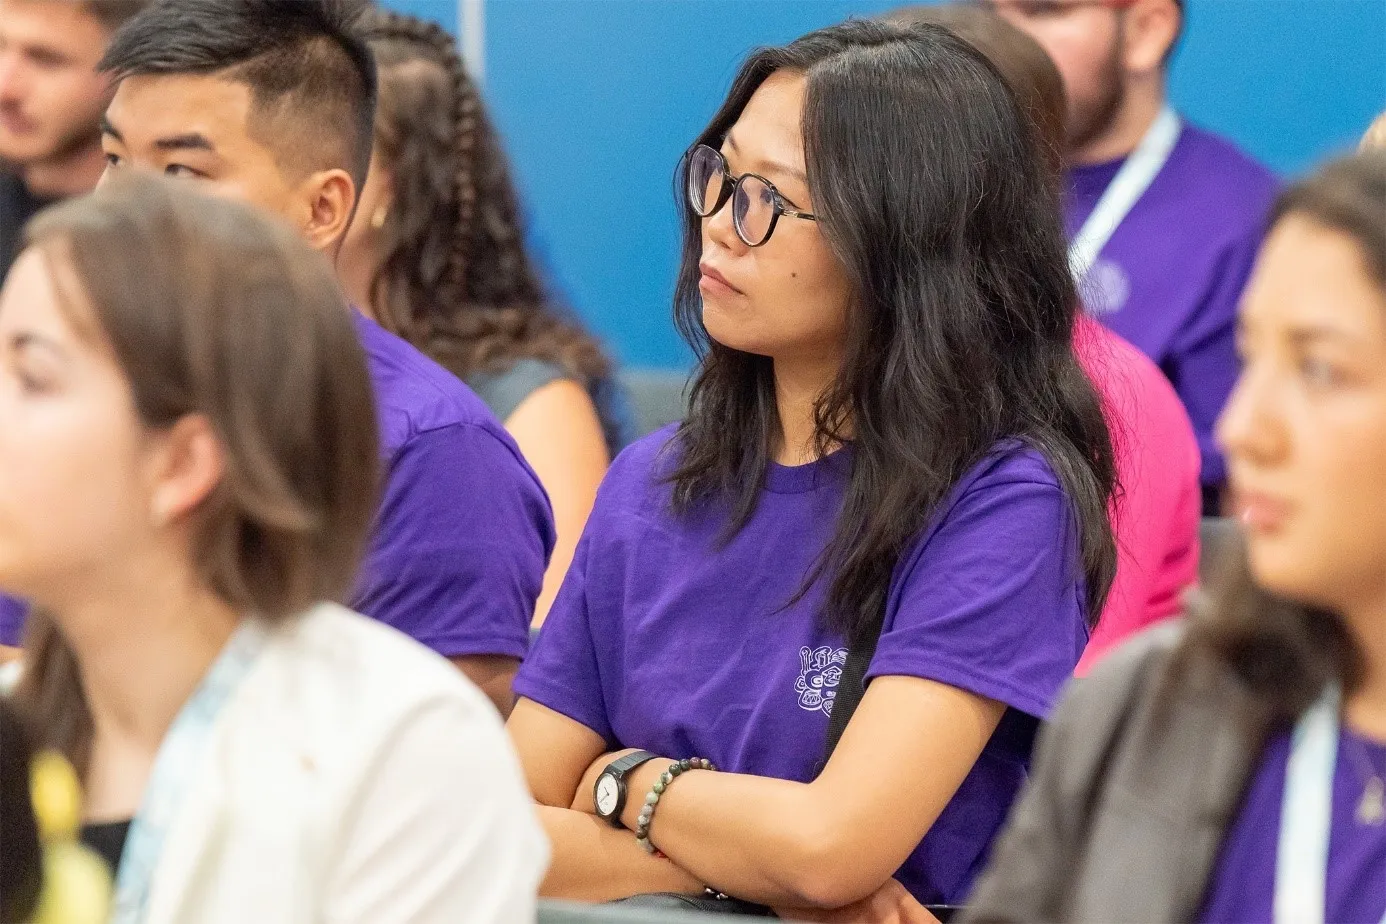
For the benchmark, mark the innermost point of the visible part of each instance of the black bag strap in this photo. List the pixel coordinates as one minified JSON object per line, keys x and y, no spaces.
{"x":851,"y":687}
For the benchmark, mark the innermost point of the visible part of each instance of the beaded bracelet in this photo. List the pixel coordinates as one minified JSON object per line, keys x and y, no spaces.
{"x":666,"y":779}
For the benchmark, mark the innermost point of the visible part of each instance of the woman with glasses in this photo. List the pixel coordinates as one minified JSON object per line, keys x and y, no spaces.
{"x":894,"y":473}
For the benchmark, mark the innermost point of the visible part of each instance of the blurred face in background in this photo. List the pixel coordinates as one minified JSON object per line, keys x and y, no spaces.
{"x":787,"y":298}
{"x":51,"y":96}
{"x":1305,"y":429}
{"x":1085,"y":40}
{"x":74,"y":458}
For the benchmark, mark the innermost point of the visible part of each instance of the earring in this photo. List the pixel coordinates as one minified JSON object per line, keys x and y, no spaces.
{"x":378,"y":218}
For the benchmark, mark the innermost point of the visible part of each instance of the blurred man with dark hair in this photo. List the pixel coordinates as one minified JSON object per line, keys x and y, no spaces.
{"x":1165,"y":217}
{"x":51,"y":100}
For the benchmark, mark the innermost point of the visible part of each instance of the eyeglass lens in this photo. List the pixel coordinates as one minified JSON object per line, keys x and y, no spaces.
{"x":753,"y":201}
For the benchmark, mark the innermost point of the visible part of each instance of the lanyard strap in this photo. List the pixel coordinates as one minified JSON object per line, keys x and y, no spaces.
{"x":175,"y":767}
{"x":1125,"y":190}
{"x":1306,"y":815}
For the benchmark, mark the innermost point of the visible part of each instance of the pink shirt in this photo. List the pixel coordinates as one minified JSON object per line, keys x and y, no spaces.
{"x":1156,"y":512}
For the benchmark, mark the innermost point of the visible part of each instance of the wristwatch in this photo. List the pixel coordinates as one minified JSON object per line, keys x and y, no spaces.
{"x":609,"y":795}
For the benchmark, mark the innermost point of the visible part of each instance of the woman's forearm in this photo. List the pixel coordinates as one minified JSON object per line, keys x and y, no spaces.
{"x":594,"y":862}
{"x":760,"y":839}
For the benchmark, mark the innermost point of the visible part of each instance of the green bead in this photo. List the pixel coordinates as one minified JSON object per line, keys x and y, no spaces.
{"x":659,"y":788}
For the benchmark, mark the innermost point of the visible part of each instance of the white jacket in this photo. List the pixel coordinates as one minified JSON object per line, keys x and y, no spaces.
{"x":353,"y":778}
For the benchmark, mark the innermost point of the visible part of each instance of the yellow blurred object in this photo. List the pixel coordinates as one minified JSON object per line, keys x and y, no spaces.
{"x":57,"y":797}
{"x":76,"y":882}
{"x":76,"y":886}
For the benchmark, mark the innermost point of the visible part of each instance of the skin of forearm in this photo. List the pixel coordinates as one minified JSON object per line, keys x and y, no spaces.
{"x":771,"y":850}
{"x":594,"y":862}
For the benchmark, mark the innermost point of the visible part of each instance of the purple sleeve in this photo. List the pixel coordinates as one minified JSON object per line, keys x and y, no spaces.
{"x":12,"y":614}
{"x":561,"y":672}
{"x":461,"y":542}
{"x":1203,"y":364}
{"x":992,"y":601}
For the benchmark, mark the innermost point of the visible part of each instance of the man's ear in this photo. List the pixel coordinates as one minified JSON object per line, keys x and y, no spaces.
{"x":1152,"y":27}
{"x":330,"y":196}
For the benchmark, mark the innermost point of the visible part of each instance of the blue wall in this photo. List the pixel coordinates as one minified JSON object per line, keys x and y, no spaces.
{"x":597,"y":99}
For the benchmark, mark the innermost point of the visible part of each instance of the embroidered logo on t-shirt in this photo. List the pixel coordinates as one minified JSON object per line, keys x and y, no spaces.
{"x":819,"y":671}
{"x":1105,"y":288}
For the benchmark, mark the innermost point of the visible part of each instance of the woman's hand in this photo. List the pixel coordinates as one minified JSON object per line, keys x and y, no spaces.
{"x":891,"y":904}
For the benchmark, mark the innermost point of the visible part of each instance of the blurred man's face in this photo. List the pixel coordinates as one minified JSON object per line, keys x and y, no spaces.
{"x":1084,"y":37}
{"x":51,"y":96}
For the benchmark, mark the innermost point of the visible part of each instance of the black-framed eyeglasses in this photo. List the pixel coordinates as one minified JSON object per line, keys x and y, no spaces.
{"x":756,"y":204}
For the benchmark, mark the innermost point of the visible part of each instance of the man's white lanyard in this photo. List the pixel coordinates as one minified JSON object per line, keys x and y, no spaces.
{"x":1125,"y":190}
{"x":175,"y":768}
{"x":1306,"y":815}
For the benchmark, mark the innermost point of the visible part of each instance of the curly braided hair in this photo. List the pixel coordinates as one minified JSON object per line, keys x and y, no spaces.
{"x":454,"y":278}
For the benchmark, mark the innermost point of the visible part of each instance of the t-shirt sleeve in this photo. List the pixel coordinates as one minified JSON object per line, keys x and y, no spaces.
{"x":461,"y":543}
{"x":991,"y":601}
{"x":442,"y":832}
{"x":12,"y":614}
{"x":562,"y":671}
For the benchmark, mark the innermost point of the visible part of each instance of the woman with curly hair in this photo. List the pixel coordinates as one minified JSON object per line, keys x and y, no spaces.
{"x":437,"y":256}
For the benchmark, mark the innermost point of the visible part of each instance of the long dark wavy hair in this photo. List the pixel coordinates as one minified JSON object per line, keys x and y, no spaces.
{"x":1284,"y":651}
{"x":931,"y":189}
{"x":455,"y":279}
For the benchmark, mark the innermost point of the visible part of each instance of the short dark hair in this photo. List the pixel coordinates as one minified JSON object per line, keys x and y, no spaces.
{"x":112,"y":14}
{"x":311,"y":75}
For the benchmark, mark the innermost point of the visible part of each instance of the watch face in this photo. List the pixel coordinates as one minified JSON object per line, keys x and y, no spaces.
{"x":608,"y":792}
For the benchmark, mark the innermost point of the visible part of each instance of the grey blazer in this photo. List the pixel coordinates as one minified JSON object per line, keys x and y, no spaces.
{"x":1130,"y":797}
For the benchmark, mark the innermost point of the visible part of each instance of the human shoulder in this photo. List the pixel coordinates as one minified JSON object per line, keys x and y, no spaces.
{"x":641,"y":470}
{"x":505,"y":390}
{"x":1009,"y":462}
{"x":1214,"y":171}
{"x":1129,"y":665}
{"x":360,"y":672}
{"x":413,"y":393}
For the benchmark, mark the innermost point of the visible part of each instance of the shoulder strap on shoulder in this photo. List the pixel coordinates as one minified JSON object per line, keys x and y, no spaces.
{"x":851,"y":687}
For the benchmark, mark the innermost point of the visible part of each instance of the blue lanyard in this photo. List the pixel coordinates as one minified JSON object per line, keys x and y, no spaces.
{"x":1125,"y":190}
{"x":1306,"y":815}
{"x":175,"y":768}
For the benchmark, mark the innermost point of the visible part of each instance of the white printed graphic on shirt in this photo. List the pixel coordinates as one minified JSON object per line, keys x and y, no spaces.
{"x":819,"y":671}
{"x":1105,"y":289}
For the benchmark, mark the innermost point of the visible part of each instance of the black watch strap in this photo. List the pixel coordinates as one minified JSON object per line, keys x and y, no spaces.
{"x":617,"y":771}
{"x":623,"y":765}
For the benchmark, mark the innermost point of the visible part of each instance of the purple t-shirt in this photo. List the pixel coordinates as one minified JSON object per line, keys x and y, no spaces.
{"x":1170,"y":278}
{"x":664,"y":639}
{"x":1242,"y":888}
{"x":464,"y":530}
{"x":11,"y":620}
